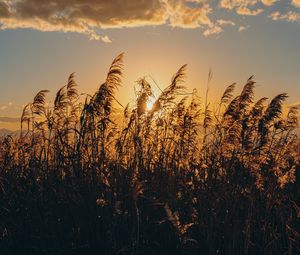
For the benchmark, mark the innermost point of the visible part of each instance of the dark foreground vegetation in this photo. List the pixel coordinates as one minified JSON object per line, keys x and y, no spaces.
{"x":181,"y":178}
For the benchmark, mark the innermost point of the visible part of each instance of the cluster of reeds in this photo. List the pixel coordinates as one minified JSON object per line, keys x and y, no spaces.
{"x":180,"y":178}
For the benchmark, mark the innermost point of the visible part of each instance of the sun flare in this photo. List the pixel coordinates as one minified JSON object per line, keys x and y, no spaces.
{"x":150,"y":103}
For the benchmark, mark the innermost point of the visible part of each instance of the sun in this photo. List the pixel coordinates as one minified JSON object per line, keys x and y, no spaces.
{"x":150,"y":103}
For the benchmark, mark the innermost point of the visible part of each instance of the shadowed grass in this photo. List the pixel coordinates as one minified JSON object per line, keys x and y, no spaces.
{"x":181,"y":178}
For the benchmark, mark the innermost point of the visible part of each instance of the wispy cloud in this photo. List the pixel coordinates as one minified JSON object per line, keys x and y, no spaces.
{"x":8,"y":107}
{"x":223,"y":22}
{"x":290,"y":16}
{"x":244,"y":7}
{"x":9,"y":119}
{"x":212,"y":31}
{"x":242,"y":28}
{"x":217,"y":27}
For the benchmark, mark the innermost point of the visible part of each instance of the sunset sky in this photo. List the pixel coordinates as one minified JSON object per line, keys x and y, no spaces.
{"x":42,"y":42}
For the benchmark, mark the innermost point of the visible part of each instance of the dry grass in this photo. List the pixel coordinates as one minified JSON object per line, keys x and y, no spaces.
{"x":182,"y":178}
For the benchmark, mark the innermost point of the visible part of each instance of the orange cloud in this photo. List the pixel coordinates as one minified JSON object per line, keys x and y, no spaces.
{"x":268,"y":2}
{"x":84,"y":16}
{"x":296,"y":3}
{"x":247,"y":11}
{"x":290,"y":16}
{"x":181,"y":15}
{"x":92,"y":16}
{"x":212,"y":31}
{"x":245,"y":7}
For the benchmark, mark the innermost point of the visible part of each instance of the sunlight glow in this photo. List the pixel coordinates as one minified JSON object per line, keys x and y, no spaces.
{"x":150,"y":103}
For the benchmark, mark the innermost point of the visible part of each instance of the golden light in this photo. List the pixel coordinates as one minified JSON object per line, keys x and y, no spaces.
{"x":150,"y":102}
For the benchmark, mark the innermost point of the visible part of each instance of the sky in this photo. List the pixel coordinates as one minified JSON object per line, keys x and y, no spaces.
{"x":42,"y":42}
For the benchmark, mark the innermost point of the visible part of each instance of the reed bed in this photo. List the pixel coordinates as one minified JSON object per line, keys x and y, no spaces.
{"x":84,"y":177}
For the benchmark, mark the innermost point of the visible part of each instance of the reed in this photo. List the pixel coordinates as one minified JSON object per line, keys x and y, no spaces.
{"x":84,"y":177}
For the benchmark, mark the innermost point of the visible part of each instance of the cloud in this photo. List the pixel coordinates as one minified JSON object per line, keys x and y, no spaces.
{"x":242,"y":28}
{"x":249,"y":12}
{"x":181,"y":15}
{"x":212,"y":31}
{"x":8,"y":106}
{"x":245,"y":7}
{"x":216,"y":28}
{"x":232,"y":4}
{"x":93,"y":17}
{"x":296,"y":3}
{"x":88,"y":16}
{"x":106,"y":39}
{"x":290,"y":16}
{"x":268,"y":2}
{"x":223,"y":22}
{"x":82,"y":16}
